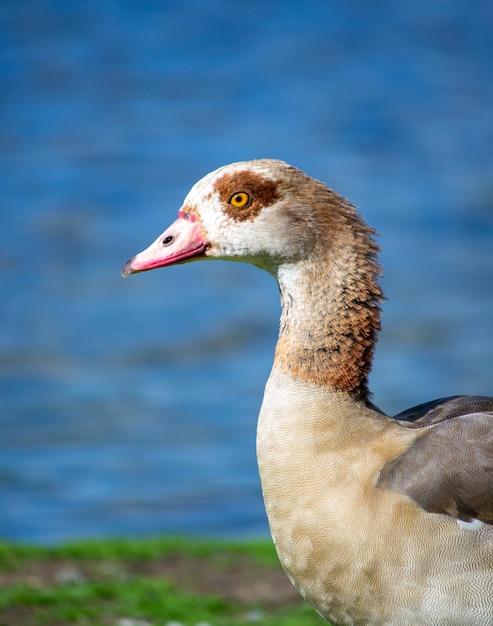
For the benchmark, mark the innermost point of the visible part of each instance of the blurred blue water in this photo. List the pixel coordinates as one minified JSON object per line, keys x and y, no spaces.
{"x":129,"y":408}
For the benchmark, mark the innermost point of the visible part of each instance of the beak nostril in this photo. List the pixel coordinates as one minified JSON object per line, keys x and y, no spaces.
{"x":168,"y":240}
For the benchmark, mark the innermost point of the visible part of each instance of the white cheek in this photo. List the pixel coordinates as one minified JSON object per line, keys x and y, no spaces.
{"x":219,"y":228}
{"x":236,"y":238}
{"x":228,"y":237}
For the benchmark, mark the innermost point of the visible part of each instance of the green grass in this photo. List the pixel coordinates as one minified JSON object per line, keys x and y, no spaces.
{"x":260,"y":551}
{"x":155,"y":582}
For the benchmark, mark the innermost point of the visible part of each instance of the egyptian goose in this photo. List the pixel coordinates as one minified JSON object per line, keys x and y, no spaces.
{"x":376,"y":520}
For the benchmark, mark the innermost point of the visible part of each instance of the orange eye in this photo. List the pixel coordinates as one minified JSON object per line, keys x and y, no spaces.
{"x":239,"y":199}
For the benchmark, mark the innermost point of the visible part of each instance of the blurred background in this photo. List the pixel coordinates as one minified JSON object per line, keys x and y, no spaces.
{"x":129,"y":408}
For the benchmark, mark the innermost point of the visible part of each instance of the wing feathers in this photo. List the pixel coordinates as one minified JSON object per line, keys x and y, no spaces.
{"x":449,"y":468}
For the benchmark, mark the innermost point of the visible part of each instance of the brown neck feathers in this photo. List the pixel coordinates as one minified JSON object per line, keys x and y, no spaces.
{"x":331,"y":313}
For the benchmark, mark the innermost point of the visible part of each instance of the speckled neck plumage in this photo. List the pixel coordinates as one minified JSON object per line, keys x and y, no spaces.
{"x":331,"y":313}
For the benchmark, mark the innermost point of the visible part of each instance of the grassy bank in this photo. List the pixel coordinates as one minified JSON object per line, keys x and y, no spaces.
{"x":161,"y":582}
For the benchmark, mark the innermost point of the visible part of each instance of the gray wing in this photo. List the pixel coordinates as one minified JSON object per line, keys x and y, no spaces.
{"x":449,"y":468}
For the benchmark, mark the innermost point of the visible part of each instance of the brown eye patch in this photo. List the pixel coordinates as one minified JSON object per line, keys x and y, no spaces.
{"x":261,"y":192}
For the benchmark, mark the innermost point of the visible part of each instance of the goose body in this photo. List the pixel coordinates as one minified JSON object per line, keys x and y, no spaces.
{"x":376,"y":520}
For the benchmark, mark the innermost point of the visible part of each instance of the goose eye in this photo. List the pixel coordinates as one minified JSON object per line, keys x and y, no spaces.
{"x":239,"y":199}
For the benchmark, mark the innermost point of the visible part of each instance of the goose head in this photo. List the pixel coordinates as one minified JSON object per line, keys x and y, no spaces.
{"x":263,"y":212}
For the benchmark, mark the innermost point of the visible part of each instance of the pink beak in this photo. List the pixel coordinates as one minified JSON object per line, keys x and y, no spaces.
{"x":181,"y":242}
